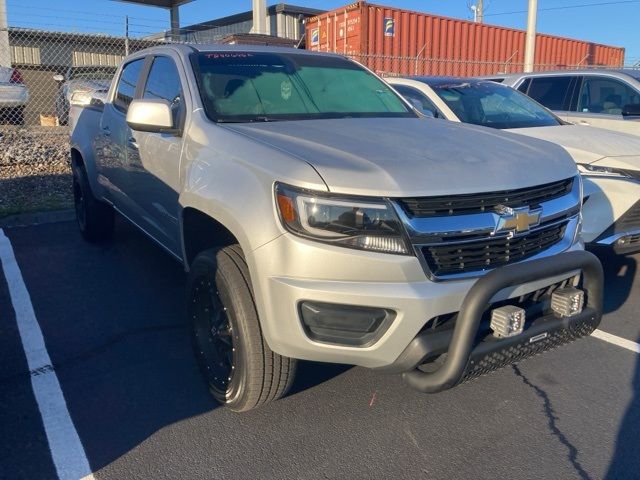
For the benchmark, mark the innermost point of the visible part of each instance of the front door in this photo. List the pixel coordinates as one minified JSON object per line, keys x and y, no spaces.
{"x":154,"y":159}
{"x":601,"y":101}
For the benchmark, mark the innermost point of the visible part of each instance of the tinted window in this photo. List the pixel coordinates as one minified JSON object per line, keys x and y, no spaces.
{"x":127,"y":84}
{"x":552,"y":92}
{"x":493,"y":105}
{"x":605,"y":95}
{"x":524,"y":86}
{"x":418,"y":99}
{"x":163,"y":83}
{"x":250,"y":86}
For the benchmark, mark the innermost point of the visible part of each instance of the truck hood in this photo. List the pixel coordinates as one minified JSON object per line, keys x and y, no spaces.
{"x":413,"y":157}
{"x":587,"y":144}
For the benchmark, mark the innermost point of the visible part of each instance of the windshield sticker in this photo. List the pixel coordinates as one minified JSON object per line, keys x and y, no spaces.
{"x":228,"y":55}
{"x":285,"y":90}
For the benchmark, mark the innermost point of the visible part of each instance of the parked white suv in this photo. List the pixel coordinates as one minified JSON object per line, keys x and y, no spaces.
{"x":609,"y":161}
{"x":320,"y":218}
{"x":598,"y":97}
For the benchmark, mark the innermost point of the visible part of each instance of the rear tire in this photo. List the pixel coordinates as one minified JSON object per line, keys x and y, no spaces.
{"x":95,"y":218}
{"x":240,"y":369}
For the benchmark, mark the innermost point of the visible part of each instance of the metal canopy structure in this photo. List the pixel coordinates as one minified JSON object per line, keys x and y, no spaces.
{"x":173,"y":7}
{"x":158,"y":3}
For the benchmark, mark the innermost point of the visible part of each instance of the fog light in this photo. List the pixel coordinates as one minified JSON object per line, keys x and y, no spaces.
{"x":344,"y":324}
{"x":507,"y":321}
{"x":567,"y":301}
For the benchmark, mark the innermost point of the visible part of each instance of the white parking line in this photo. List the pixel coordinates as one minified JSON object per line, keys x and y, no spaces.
{"x":65,"y":446}
{"x":615,"y":340}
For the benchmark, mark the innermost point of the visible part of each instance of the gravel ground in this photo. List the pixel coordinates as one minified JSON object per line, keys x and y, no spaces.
{"x":35,"y":173}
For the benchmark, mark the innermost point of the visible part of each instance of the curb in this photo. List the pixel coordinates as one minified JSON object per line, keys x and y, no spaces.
{"x":37,"y":218}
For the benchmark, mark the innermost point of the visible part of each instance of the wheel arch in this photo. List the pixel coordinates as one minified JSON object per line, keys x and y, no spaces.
{"x":201,"y":231}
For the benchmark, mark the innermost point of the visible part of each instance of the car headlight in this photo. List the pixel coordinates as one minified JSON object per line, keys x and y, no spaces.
{"x":600,"y":171}
{"x":356,"y":222}
{"x":80,"y":98}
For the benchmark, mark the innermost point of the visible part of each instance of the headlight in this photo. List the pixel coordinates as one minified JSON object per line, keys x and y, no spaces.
{"x":80,"y":98}
{"x":596,"y":170}
{"x":355,"y":222}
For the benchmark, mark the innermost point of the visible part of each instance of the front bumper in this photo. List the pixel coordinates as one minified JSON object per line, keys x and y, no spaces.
{"x":467,"y":356}
{"x":611,"y":214}
{"x":13,"y":96}
{"x":290,"y":270}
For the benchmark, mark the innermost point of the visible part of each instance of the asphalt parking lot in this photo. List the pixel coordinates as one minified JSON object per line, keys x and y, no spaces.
{"x":112,"y":323}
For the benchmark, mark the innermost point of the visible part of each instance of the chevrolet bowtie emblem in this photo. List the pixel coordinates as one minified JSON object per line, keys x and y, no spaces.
{"x":517,"y":220}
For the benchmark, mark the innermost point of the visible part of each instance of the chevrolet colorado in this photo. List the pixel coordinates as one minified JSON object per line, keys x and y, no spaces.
{"x":320,"y":218}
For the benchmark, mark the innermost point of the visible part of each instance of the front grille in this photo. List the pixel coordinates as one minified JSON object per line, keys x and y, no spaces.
{"x":482,"y":202}
{"x":456,"y":258}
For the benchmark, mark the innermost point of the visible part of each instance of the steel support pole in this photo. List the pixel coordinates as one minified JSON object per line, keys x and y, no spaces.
{"x":5,"y":50}
{"x":175,"y":22}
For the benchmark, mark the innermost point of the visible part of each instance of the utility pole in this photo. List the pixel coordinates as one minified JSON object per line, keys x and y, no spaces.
{"x":480,"y":11}
{"x":174,"y":15}
{"x":5,"y":50}
{"x":530,"y":42}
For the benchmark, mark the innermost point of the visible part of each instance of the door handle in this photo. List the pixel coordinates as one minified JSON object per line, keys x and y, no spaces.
{"x":106,"y":131}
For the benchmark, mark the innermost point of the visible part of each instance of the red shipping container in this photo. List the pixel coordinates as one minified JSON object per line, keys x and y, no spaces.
{"x":394,"y":41}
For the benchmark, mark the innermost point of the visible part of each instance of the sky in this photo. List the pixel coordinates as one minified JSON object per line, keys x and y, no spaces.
{"x":612,"y":22}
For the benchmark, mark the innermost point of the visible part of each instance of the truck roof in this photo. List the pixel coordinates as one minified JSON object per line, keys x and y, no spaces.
{"x":187,"y":48}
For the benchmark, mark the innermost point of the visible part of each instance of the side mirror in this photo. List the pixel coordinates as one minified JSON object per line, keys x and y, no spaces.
{"x":58,"y":78}
{"x":631,"y":110}
{"x":151,"y":116}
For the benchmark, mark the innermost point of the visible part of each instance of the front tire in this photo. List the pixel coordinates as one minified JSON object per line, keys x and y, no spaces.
{"x":95,"y":218}
{"x":240,"y":369}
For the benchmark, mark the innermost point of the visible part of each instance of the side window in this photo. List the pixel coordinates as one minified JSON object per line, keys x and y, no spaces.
{"x":605,"y":95}
{"x":417,"y":98}
{"x":552,"y":92}
{"x":163,"y":83}
{"x":127,"y":84}
{"x":524,"y":86}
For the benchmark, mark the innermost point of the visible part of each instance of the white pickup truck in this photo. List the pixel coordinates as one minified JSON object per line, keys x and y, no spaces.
{"x":320,"y":218}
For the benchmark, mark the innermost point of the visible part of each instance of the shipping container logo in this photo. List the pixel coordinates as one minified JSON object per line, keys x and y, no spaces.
{"x":315,"y":36}
{"x":389,"y":27}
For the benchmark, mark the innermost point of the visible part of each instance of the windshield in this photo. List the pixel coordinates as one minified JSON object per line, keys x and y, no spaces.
{"x":493,"y":105}
{"x":250,"y":86}
{"x":91,"y":73}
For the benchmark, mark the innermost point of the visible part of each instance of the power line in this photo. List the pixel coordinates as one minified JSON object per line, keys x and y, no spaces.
{"x":567,"y":7}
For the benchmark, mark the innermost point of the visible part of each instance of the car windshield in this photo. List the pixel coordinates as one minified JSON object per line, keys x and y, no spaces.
{"x":493,"y":105}
{"x":92,"y":73}
{"x":252,"y":86}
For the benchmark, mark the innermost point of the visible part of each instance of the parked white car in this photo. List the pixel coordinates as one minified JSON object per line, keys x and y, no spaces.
{"x":13,"y":96}
{"x":609,"y":161}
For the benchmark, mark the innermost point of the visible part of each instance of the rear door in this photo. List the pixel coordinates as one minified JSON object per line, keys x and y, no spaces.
{"x":554,"y":92}
{"x":112,"y":140}
{"x":154,"y":158}
{"x":600,"y":102}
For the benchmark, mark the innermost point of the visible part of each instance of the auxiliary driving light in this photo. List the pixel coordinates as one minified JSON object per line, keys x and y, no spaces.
{"x":567,"y":301}
{"x":507,"y":321}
